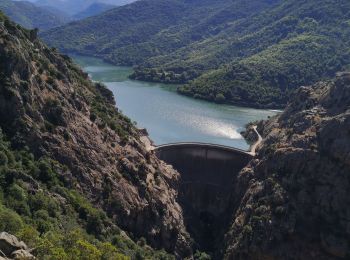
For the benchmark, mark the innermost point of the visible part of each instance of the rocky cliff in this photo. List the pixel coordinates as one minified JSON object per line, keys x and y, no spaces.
{"x":291,"y":200}
{"x":73,"y":170}
{"x":11,"y":247}
{"x":50,"y":107}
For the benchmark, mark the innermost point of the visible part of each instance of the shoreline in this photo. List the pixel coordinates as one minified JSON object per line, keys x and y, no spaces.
{"x":236,"y":104}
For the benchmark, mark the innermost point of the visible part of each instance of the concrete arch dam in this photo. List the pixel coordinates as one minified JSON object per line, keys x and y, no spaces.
{"x":208,"y":174}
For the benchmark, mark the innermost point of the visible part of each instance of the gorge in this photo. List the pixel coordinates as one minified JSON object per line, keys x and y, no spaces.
{"x":207,"y":171}
{"x":79,"y":181}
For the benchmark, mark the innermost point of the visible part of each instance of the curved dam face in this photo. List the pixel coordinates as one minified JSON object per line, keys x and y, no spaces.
{"x":208,"y":173}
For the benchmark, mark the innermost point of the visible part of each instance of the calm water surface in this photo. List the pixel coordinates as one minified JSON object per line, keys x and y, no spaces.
{"x":168,"y":116}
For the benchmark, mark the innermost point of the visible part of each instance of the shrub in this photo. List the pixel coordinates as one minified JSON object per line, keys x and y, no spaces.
{"x":16,"y":199}
{"x":2,"y":17}
{"x":53,"y":111}
{"x":201,"y":256}
{"x":87,"y":251}
{"x":46,"y":174}
{"x":10,"y":221}
{"x":93,"y":117}
{"x":43,"y":226}
{"x":220,"y":98}
{"x":50,"y":80}
{"x":109,"y":252}
{"x":3,"y":159}
{"x":29,"y":235}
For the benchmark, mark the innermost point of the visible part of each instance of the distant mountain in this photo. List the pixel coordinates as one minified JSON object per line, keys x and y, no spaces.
{"x":92,"y":10}
{"x":74,"y":7}
{"x":32,"y":16}
{"x":242,"y":52}
{"x":116,"y":2}
{"x":47,"y":14}
{"x":70,"y":7}
{"x":134,"y":28}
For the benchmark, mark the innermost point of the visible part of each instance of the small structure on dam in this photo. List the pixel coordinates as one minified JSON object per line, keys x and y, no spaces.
{"x":208,"y":174}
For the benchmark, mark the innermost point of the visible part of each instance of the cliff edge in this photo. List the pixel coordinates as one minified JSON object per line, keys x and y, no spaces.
{"x":50,"y":107}
{"x":293,"y":196}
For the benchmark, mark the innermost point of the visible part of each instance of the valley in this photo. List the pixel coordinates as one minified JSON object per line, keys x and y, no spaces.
{"x":175,"y":130}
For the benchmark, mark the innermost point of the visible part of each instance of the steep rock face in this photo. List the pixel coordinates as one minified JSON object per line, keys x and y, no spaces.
{"x":11,"y":247}
{"x":50,"y":105}
{"x":293,"y":196}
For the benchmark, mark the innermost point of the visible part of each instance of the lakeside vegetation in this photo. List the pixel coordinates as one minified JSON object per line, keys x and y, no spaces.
{"x":254,"y":53}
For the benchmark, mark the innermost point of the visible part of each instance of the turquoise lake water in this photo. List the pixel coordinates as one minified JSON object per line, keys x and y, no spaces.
{"x":168,"y":116}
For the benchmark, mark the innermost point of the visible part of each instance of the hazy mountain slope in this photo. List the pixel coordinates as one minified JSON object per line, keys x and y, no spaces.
{"x":74,"y":7}
{"x":70,"y":7}
{"x":92,"y":10}
{"x":31,"y":16}
{"x":79,"y":162}
{"x":149,"y":28}
{"x":249,"y":52}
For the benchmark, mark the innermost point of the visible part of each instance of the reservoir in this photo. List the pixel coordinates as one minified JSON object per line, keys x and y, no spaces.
{"x":168,"y":116}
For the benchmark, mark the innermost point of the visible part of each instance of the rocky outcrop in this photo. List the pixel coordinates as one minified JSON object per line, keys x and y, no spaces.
{"x":12,"y":248}
{"x":49,"y":105}
{"x":293,"y":197}
{"x":249,"y":134}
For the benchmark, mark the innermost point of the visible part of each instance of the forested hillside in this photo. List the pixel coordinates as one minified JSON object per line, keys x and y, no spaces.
{"x":73,"y":7}
{"x":32,"y":16}
{"x":93,"y":9}
{"x":145,"y":28}
{"x":242,"y":52}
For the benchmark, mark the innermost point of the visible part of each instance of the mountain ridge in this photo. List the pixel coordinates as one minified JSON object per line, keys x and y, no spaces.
{"x":92,"y":10}
{"x":31,"y":16}
{"x":77,"y":6}
{"x":220,"y":56}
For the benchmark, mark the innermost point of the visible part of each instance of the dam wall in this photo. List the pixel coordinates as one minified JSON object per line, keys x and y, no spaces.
{"x":203,"y":162}
{"x":208,"y":174}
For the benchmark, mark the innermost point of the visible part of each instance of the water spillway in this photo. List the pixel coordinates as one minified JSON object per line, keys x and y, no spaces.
{"x":208,"y":174}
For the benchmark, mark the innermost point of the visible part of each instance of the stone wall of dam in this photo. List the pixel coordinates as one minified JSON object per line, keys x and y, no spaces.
{"x":208,"y":174}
